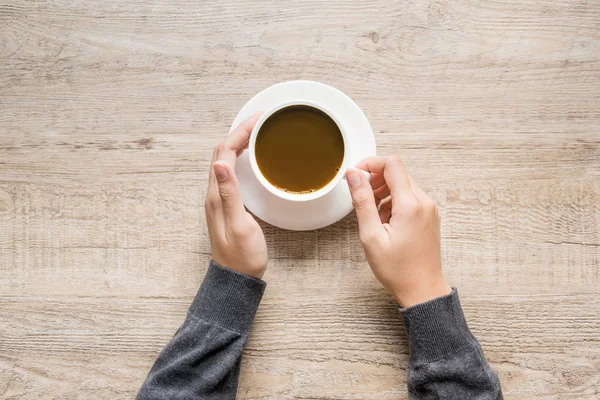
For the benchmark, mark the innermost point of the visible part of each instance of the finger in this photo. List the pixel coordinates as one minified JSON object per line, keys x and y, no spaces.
{"x":364,"y":203}
{"x":385,"y":210}
{"x":397,"y":180}
{"x":419,"y":193}
{"x":239,"y":137}
{"x":229,"y":193}
{"x":213,"y":208}
{"x":375,"y":164}
{"x":377,"y":180}
{"x":426,"y":201}
{"x":212,"y":181}
{"x":236,"y":141}
{"x":381,"y":193}
{"x":239,"y":153}
{"x":213,"y":200}
{"x":215,"y":220}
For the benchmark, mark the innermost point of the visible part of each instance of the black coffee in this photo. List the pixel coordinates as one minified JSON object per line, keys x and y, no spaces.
{"x":299,"y":149}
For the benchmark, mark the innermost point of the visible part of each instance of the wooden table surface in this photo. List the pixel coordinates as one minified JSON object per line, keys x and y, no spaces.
{"x":109,"y":111}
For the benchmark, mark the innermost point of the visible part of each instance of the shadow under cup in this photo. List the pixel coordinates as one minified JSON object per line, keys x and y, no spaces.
{"x":299,"y":150}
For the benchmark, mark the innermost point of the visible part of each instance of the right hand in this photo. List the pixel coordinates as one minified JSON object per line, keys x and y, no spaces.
{"x":401,"y":238}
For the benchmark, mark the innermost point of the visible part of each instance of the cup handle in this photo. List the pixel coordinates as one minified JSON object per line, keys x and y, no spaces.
{"x":365,"y":173}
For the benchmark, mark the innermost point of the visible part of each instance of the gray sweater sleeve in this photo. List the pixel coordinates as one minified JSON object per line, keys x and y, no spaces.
{"x":446,"y":361}
{"x":202,"y":361}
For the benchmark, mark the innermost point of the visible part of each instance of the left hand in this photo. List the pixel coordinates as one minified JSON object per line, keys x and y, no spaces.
{"x":237,"y":240}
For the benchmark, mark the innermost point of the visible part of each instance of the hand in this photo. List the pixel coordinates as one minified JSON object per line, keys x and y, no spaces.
{"x":236,"y":239}
{"x":401,"y":239}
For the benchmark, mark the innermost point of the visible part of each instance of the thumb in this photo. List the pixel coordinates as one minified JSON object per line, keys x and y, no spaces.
{"x":229,"y":191}
{"x":369,"y":224}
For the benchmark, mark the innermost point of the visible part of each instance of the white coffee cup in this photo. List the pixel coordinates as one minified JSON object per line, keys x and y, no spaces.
{"x":298,"y":196}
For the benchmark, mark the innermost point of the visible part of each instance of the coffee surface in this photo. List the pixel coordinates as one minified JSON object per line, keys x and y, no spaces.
{"x":299,"y":149}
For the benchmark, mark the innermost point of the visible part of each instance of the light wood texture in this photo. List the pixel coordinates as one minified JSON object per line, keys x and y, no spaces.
{"x":108,"y":114}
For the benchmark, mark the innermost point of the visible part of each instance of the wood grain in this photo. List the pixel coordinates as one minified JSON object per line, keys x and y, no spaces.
{"x":110,"y":110}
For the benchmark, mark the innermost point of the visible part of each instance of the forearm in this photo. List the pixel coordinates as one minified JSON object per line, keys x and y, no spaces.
{"x":446,"y":361}
{"x":203,"y":358}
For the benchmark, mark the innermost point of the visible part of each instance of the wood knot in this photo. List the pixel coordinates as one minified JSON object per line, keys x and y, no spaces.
{"x":374,"y":37}
{"x":145,"y":143}
{"x":437,"y":13}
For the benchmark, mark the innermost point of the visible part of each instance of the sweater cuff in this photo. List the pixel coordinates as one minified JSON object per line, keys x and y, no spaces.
{"x":228,"y":298}
{"x":437,"y":328}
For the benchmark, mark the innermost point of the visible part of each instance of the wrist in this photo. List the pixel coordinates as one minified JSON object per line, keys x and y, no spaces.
{"x":251,"y":269}
{"x":422,"y":293}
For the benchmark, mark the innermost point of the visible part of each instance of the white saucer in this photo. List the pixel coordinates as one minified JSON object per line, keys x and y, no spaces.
{"x":308,"y":215}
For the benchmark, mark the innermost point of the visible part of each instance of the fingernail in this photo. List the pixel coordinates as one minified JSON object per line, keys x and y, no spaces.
{"x":220,"y":172}
{"x":362,"y":171}
{"x":353,"y":179}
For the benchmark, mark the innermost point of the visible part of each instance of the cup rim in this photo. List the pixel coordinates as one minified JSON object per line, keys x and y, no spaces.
{"x":273,"y":189}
